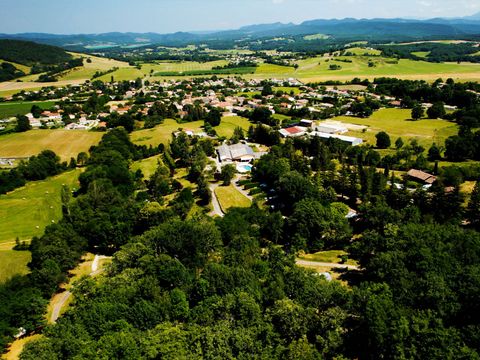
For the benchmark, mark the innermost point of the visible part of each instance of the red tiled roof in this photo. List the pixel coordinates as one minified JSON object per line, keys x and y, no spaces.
{"x":293,"y":130}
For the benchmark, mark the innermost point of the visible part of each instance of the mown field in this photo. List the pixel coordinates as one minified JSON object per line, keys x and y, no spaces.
{"x":229,"y":197}
{"x":14,"y":108}
{"x":398,"y":123}
{"x":65,"y":143}
{"x":26,"y":212}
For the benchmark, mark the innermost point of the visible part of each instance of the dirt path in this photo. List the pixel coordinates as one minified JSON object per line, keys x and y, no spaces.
{"x":326,"y":264}
{"x":217,"y":210}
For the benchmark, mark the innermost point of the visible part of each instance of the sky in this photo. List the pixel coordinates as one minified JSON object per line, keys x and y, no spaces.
{"x":166,"y":16}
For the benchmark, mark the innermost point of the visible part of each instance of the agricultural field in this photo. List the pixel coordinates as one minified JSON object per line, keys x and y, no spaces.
{"x":162,"y":134}
{"x":13,"y":263}
{"x":317,"y":69}
{"x":229,"y":197}
{"x":398,"y":123}
{"x":26,"y":212}
{"x":11,"y":109}
{"x":229,"y":123}
{"x":65,"y":143}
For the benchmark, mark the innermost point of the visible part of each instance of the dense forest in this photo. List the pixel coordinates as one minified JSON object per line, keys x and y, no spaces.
{"x":30,"y":53}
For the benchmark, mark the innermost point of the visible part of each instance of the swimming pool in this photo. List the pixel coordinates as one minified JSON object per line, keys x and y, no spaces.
{"x":244,"y":167}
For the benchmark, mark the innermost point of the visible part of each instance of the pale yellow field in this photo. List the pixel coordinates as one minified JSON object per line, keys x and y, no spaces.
{"x":65,"y":143}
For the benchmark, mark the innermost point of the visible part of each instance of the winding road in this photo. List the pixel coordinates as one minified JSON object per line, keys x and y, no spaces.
{"x":217,"y":210}
{"x":66,"y":294}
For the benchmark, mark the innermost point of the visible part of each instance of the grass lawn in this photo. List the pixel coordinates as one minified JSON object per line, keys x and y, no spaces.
{"x":229,"y":123}
{"x":65,"y":143}
{"x":24,"y":68}
{"x":162,"y":134}
{"x":13,"y":263}
{"x":397,"y":123}
{"x":26,"y":211}
{"x":229,"y":197}
{"x":10,"y":109}
{"x":330,"y":256}
{"x":148,"y":166}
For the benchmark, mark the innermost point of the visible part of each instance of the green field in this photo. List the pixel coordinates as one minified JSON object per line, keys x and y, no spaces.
{"x":148,"y":166}
{"x":330,"y":256}
{"x":13,"y":263}
{"x":65,"y":143}
{"x":26,"y":212}
{"x":162,"y":134}
{"x":11,"y":109}
{"x":317,"y":69}
{"x":397,"y":123}
{"x":422,"y":54}
{"x":24,"y":68}
{"x":363,"y":51}
{"x":229,"y":197}
{"x":229,"y":123}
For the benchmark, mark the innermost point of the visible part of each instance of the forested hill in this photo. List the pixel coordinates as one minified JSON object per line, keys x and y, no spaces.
{"x":30,"y":53}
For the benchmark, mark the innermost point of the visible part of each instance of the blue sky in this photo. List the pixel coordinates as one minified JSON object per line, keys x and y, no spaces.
{"x":163,"y":16}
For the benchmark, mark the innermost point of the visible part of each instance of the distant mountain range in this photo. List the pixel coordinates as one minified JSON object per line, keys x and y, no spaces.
{"x":367,"y":29}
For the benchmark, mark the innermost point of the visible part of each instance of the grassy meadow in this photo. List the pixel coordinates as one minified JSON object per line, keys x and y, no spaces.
{"x":162,"y":134}
{"x":330,"y":256}
{"x":229,"y":197}
{"x":398,"y":123}
{"x":11,"y":109}
{"x":13,"y":263}
{"x":26,"y":212}
{"x":65,"y":143}
{"x":148,"y":166}
{"x":229,"y":123}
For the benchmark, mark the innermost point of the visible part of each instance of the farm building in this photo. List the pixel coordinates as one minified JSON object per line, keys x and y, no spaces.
{"x":352,"y":141}
{"x":331,"y":128}
{"x":238,"y":152}
{"x":421,"y":176}
{"x":293,"y":131}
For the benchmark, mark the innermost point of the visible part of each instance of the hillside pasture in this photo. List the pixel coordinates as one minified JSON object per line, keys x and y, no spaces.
{"x":25,"y":212}
{"x":86,"y":71}
{"x":398,"y":123}
{"x":65,"y":143}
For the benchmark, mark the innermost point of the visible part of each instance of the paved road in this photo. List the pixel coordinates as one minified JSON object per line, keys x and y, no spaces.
{"x":59,"y":305}
{"x":240,"y":189}
{"x":326,"y":264}
{"x":66,"y":294}
{"x":217,"y":210}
